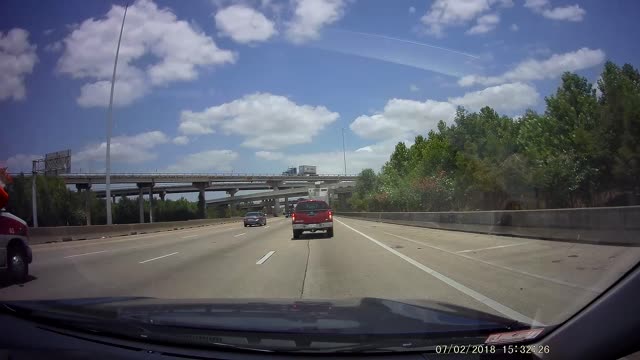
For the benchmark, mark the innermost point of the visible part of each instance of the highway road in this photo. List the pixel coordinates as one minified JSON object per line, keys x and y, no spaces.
{"x":525,"y":279}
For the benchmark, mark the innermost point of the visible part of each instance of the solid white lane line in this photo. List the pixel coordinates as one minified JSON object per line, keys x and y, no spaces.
{"x":265,"y":258}
{"x":512,"y":314}
{"x":239,"y":235}
{"x":266,"y":226}
{"x":156,"y":258}
{"x":490,"y":248}
{"x":188,"y":237}
{"x":90,"y":253}
{"x":541,"y":277}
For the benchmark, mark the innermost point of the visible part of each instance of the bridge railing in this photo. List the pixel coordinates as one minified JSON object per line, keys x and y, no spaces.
{"x":202,"y":175}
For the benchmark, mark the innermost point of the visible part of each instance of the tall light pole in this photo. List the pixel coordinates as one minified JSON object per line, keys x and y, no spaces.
{"x":344,"y":154}
{"x":110,"y":123}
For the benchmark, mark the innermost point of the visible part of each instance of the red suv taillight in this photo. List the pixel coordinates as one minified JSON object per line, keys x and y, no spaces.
{"x":330,"y":215}
{"x":293,"y":217}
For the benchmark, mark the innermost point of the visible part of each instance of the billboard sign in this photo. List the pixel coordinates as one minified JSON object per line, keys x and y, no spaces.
{"x":58,"y":162}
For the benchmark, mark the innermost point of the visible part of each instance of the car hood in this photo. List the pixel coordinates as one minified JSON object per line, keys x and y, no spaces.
{"x":348,"y":317}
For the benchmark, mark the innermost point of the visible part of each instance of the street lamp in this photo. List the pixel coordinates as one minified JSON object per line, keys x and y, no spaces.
{"x":110,"y":123}
{"x":344,"y":154}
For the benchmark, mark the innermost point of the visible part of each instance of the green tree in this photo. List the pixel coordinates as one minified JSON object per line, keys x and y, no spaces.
{"x":619,"y":128}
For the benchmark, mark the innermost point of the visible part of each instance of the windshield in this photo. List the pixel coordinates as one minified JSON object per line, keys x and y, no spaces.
{"x":407,"y":170}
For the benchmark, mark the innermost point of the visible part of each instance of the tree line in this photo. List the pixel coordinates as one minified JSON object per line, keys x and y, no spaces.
{"x":59,"y":206}
{"x":582,"y":151}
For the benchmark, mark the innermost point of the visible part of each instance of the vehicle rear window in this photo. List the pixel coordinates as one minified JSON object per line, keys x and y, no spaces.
{"x":310,"y":206}
{"x":253,"y":214}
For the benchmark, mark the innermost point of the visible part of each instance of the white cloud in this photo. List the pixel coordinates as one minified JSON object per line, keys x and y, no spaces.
{"x":412,"y":10}
{"x":403,"y":118}
{"x":244,"y":24}
{"x":310,"y":16}
{"x":507,"y":97}
{"x":180,"y":140}
{"x":484,"y":24}
{"x":53,"y":47}
{"x":414,"y":88}
{"x":124,"y":149}
{"x":127,"y":90}
{"x":176,"y":50}
{"x":446,"y":13}
{"x":550,"y":68}
{"x":536,"y":4}
{"x":194,"y":124}
{"x":19,"y":163}
{"x":266,"y":121}
{"x":48,"y":32}
{"x":569,"y":13}
{"x":270,"y":155}
{"x":515,"y":27}
{"x":365,"y":148}
{"x":205,"y":161}
{"x":17,"y":59}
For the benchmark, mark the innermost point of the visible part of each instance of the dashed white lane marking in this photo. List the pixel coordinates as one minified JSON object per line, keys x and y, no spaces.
{"x":90,"y":253}
{"x":266,"y":226}
{"x":239,"y":234}
{"x":265,"y":258}
{"x":561,"y":282}
{"x":490,"y":248}
{"x":512,"y":314}
{"x":188,"y":237}
{"x":156,"y":258}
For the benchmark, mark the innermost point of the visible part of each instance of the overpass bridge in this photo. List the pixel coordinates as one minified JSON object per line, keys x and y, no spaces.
{"x":188,"y":188}
{"x":229,"y":182}
{"x":136,"y":178}
{"x":271,"y":199}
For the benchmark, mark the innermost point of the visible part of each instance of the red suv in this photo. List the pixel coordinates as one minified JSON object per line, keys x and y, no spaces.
{"x":312,"y":215}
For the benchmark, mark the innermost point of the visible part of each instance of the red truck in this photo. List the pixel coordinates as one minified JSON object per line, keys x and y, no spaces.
{"x":312,"y":215}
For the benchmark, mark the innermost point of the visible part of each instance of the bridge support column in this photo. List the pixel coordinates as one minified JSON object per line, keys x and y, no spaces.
{"x":276,"y":206}
{"x":286,"y":205}
{"x":87,"y":200}
{"x":141,"y":187}
{"x":275,"y":185}
{"x":233,"y":205}
{"x":162,"y":195}
{"x":151,"y":203}
{"x":202,"y":203}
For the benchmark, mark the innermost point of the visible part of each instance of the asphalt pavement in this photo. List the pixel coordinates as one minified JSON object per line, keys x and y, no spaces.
{"x":534,"y":281}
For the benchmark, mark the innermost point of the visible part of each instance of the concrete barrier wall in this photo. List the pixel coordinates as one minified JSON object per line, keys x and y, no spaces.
{"x":611,"y":225}
{"x":70,"y":233}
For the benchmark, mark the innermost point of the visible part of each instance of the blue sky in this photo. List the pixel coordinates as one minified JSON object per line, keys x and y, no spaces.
{"x":257,"y":85}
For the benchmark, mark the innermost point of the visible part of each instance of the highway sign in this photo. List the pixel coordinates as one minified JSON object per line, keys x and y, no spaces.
{"x":58,"y":162}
